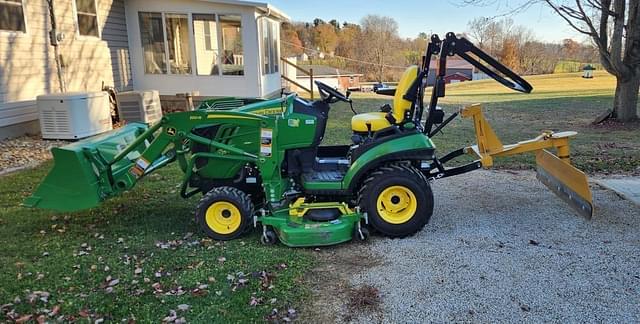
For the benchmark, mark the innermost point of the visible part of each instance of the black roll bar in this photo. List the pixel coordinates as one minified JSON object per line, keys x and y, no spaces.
{"x":453,"y":45}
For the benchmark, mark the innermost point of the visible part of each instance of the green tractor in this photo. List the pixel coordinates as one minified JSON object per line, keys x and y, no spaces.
{"x":260,"y":163}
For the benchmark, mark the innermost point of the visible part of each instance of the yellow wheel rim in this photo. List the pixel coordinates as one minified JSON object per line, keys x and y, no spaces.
{"x":397,"y":204}
{"x":223,"y":217}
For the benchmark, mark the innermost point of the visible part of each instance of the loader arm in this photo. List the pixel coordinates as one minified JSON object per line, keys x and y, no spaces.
{"x":88,"y":172}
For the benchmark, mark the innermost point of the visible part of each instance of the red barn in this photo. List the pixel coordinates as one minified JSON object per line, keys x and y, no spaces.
{"x":456,"y":77}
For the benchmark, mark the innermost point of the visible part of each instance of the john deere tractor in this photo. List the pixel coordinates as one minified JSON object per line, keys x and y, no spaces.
{"x":261,"y":163}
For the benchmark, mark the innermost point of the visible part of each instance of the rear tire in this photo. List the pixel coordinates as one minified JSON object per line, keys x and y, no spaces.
{"x":224,"y":213}
{"x":397,"y":199}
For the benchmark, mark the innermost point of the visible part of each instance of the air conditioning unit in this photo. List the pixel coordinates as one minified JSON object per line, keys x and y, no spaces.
{"x":74,"y":115}
{"x":139,"y":106}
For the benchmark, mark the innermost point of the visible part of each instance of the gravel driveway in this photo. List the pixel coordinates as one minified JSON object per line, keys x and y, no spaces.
{"x":499,"y":248}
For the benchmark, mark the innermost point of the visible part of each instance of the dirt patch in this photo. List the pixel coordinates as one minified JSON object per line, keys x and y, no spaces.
{"x":334,"y":298}
{"x":364,"y":299}
{"x":612,"y":124}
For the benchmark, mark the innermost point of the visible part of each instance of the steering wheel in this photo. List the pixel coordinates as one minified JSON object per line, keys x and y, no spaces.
{"x":329,"y":94}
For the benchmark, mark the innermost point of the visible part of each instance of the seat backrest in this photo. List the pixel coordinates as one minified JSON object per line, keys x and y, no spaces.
{"x":401,"y":105}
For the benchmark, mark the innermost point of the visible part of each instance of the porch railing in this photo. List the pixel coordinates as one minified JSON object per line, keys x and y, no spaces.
{"x":295,"y":82}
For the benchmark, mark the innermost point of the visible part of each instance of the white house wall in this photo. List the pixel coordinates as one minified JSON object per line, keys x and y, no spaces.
{"x":27,"y":60}
{"x":217,"y":85}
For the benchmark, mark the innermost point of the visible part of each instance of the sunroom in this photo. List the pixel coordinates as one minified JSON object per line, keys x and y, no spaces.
{"x":213,"y":48}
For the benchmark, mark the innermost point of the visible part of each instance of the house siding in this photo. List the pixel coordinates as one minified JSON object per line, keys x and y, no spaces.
{"x":27,"y":61}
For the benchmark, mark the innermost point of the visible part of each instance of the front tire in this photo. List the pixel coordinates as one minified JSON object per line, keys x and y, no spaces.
{"x":224,"y":213}
{"x":397,"y":199}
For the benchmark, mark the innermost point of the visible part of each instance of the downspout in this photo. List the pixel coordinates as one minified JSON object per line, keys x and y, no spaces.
{"x":55,"y":42}
{"x":260,"y":66}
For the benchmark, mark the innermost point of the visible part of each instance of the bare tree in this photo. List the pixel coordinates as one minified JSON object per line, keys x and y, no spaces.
{"x":380,"y":33}
{"x":487,"y":33}
{"x":616,"y":33}
{"x":614,"y":27}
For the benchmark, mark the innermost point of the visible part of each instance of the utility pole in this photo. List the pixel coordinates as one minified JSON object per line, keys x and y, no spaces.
{"x":54,"y":39}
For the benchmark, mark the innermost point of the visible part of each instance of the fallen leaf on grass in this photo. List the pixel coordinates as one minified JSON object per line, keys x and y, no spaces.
{"x":24,"y":319}
{"x":183,"y":307}
{"x":171,"y":317}
{"x":255,"y":301}
{"x":54,"y":311}
{"x":199,"y":292}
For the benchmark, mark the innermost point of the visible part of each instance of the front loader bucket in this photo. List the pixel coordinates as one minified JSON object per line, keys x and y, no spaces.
{"x":77,"y":178}
{"x":567,"y":182}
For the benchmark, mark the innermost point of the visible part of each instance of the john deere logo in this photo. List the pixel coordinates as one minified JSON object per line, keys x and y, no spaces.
{"x":171,"y":131}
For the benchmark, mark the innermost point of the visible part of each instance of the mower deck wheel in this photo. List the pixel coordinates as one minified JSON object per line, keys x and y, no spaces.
{"x":361,"y":234}
{"x":269,"y":237}
{"x":224,"y":213}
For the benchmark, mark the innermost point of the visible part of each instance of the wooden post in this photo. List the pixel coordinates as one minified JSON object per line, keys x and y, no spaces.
{"x":311,"y":79}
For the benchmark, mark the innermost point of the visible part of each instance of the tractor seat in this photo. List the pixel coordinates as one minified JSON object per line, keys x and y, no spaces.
{"x":382,"y":120}
{"x":378,"y":121}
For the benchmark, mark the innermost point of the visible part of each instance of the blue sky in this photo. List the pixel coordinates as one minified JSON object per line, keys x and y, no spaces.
{"x":437,"y":16}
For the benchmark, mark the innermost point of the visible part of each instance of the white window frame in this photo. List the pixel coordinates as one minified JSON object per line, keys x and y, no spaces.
{"x":164,"y":42}
{"x":220,"y":43}
{"x":75,"y":18}
{"x":24,"y":19}
{"x":273,"y":62}
{"x":192,"y":45}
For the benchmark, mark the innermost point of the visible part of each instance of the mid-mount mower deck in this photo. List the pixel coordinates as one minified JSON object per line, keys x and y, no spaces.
{"x":259,"y":164}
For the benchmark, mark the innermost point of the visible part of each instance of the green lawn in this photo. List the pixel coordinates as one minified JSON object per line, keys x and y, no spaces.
{"x":141,"y":255}
{"x":73,"y":257}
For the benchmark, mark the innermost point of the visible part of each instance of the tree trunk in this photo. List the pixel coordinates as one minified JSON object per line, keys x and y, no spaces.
{"x":625,"y":107}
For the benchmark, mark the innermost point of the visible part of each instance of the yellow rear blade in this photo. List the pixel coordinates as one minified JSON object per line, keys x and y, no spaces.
{"x":567,"y":182}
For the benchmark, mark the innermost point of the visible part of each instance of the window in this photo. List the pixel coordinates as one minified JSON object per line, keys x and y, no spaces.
{"x":208,"y":35}
{"x":12,"y":16}
{"x":232,"y":55}
{"x":178,"y":43}
{"x":152,"y":36}
{"x":270,"y":51}
{"x":205,"y":32}
{"x":87,"y":18}
{"x":168,"y":48}
{"x":275,"y":55}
